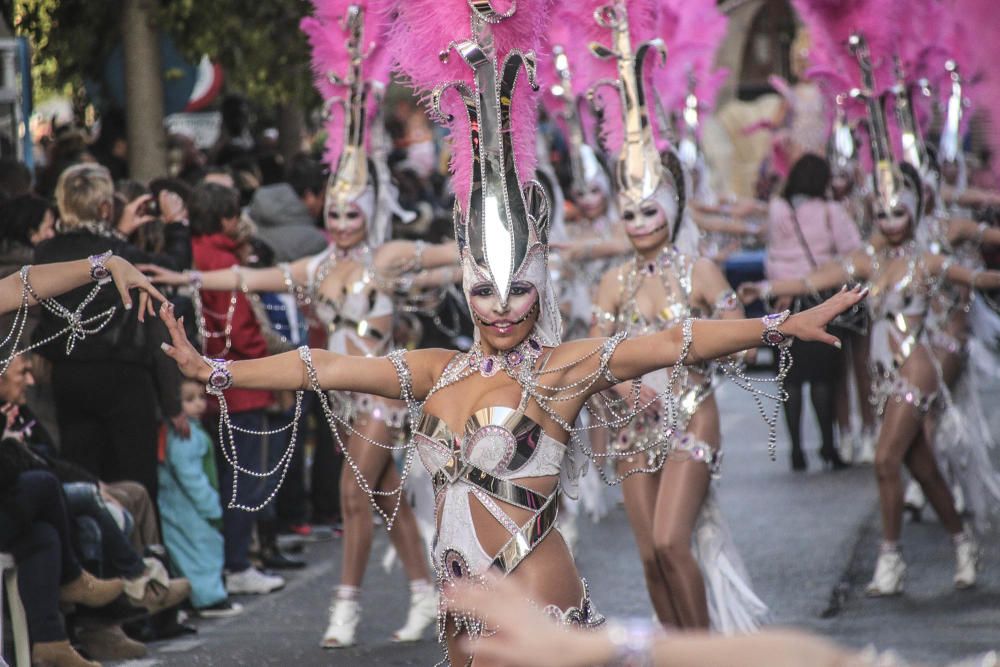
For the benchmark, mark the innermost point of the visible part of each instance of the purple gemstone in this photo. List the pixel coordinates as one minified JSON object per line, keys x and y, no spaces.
{"x":488,"y":365}
{"x":514,"y":357}
{"x":456,"y":569}
{"x":534,"y":345}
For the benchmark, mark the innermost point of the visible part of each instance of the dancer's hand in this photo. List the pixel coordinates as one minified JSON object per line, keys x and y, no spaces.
{"x":134,"y":215}
{"x":126,"y":277}
{"x":811,"y":324}
{"x":525,"y":636}
{"x":161,"y":276}
{"x":188,"y":359}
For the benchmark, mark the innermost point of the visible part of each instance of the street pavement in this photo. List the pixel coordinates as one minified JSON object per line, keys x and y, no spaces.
{"x":808,"y":540}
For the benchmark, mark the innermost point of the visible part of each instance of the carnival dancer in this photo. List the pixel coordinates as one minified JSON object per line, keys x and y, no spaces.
{"x":494,"y":425}
{"x":902,"y":278}
{"x":351,"y":287}
{"x":672,"y":512}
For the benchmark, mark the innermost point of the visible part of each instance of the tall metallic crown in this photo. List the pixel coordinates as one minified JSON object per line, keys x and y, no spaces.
{"x":584,"y":164}
{"x":914,"y":150}
{"x":950,"y":147}
{"x":640,"y":170}
{"x":842,"y":146}
{"x":889,"y":181}
{"x":349,"y":179}
{"x":502,"y":224}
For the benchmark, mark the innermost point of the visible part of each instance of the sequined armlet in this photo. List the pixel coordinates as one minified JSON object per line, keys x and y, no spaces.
{"x":398,"y":359}
{"x":305,"y":354}
{"x":608,"y":349}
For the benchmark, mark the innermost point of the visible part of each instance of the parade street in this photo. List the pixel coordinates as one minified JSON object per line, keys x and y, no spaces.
{"x":809,"y":542}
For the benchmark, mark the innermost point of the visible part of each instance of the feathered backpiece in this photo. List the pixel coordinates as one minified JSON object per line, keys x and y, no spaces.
{"x":894,"y":185}
{"x":640,"y":173}
{"x":474,"y":61}
{"x":830,"y":24}
{"x":351,"y":67}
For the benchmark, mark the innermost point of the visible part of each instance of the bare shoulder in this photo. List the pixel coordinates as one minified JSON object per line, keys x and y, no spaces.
{"x":574,"y":350}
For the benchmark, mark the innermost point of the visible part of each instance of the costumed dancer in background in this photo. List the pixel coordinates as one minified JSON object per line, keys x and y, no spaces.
{"x":902,"y":278}
{"x":694,"y":575}
{"x":351,"y":287}
{"x":518,"y":391}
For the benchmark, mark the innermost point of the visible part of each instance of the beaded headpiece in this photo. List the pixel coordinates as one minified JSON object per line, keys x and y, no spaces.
{"x":641,"y":172}
{"x":351,"y":68}
{"x":842,"y":144}
{"x":501,"y":219}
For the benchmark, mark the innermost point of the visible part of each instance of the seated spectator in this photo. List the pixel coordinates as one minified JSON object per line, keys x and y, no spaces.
{"x":35,"y":528}
{"x":111,"y":388}
{"x":191,"y":511}
{"x":288,"y":214}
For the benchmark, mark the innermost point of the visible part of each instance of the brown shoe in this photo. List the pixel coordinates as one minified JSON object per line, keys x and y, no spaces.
{"x":58,"y":654}
{"x":90,"y":591}
{"x":158,"y":597}
{"x":109,"y":642}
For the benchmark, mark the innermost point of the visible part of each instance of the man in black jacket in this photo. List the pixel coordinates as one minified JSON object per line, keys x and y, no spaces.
{"x":112,"y":387}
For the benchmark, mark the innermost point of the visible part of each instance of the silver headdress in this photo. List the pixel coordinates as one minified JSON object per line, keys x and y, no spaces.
{"x":640,"y":172}
{"x":585,"y":167}
{"x":502,"y":225}
{"x":914,"y":150}
{"x":950,"y":146}
{"x":842,"y":145}
{"x":893,"y":185}
{"x":352,"y":69}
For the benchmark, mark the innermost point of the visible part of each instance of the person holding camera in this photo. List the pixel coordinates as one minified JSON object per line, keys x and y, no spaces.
{"x":111,"y":389}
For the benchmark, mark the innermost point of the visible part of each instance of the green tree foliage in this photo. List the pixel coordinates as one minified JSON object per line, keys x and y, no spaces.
{"x":259,"y":44}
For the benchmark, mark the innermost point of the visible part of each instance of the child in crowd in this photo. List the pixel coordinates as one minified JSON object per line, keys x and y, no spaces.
{"x":190,"y":509}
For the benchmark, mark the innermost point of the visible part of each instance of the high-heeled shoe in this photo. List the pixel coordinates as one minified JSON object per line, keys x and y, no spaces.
{"x":966,"y":561}
{"x":799,"y":463}
{"x":423,"y":611}
{"x":831,"y":458}
{"x":889,"y":572}
{"x":345,"y":614}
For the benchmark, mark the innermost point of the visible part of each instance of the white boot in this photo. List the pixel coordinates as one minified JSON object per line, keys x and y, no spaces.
{"x":866,"y":446}
{"x":959,"y":497}
{"x":847,"y":443}
{"x":345,"y":614}
{"x":423,"y":612}
{"x":888,"y":577}
{"x":966,"y":561}
{"x":914,"y":501}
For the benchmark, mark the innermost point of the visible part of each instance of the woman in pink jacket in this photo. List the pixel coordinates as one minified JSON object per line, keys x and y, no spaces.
{"x":806,"y":230}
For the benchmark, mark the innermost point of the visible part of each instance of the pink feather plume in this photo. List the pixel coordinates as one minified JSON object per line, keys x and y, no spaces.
{"x":328,"y":40}
{"x":420,"y":30}
{"x":693,"y":32}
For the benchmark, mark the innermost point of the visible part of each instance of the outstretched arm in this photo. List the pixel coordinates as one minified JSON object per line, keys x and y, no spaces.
{"x":834,"y":273}
{"x":271,"y":279}
{"x":962,"y":275}
{"x":49,"y":280}
{"x":335,"y":372}
{"x":711,"y":339}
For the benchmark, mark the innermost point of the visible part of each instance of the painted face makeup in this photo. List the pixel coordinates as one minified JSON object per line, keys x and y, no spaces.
{"x":895,"y":222}
{"x":593,"y":203}
{"x":644,"y":220}
{"x":500,"y":321}
{"x":346,"y":226}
